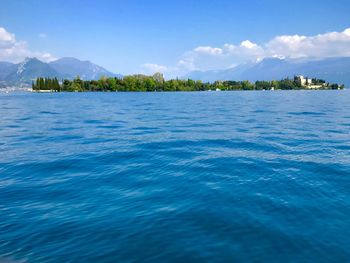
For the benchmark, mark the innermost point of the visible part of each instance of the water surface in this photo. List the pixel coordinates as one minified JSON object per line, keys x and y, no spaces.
{"x":175,"y":177}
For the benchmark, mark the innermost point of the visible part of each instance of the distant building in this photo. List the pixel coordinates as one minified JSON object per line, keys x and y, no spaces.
{"x":304,"y":81}
{"x":308,"y":83}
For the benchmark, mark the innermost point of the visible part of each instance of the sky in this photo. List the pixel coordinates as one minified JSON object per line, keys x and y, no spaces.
{"x":174,"y":37}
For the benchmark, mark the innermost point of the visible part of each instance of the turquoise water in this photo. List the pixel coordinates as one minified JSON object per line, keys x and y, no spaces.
{"x":175,"y":177}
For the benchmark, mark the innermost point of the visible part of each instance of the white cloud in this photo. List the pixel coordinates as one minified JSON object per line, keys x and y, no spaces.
{"x":48,"y":57}
{"x":208,"y":50}
{"x":150,"y":68}
{"x":14,"y":50}
{"x":207,"y":57}
{"x":248,"y":44}
{"x":332,"y":44}
{"x":6,"y":39}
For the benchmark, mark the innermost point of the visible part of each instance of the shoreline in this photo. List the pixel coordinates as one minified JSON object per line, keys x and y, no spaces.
{"x":179,"y":91}
{"x":155,"y":83}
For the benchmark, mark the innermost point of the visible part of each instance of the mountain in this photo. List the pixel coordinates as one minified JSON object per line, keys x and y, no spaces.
{"x":72,"y":67}
{"x":224,"y":74}
{"x":32,"y":68}
{"x":28,"y":70}
{"x":5,"y":69}
{"x":335,"y":70}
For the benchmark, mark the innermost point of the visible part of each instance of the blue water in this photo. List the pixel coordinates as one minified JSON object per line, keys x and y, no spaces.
{"x":175,"y":177}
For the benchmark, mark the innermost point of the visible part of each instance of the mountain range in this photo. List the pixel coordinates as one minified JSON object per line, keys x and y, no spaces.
{"x":31,"y":68}
{"x":335,"y":70}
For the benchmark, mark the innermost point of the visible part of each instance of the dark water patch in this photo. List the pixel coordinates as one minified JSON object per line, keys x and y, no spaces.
{"x":49,"y":113}
{"x":26,"y":118}
{"x":88,"y":121}
{"x":12,"y":126}
{"x":64,"y":129}
{"x":335,"y":131}
{"x":342,"y":147}
{"x":307,"y":113}
{"x":112,"y":126}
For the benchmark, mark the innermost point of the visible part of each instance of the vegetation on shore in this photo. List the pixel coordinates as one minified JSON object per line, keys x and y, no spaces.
{"x":157,"y":83}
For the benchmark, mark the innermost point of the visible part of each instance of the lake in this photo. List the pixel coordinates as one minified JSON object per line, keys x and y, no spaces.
{"x":175,"y":177}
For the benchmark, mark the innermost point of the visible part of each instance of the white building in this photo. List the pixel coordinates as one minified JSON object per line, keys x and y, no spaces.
{"x":304,"y":81}
{"x":307,"y":82}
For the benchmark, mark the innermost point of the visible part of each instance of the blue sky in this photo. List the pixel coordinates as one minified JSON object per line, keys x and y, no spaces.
{"x":134,"y":36}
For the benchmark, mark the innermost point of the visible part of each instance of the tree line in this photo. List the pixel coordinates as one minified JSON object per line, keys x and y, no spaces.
{"x":158,"y":83}
{"x":46,"y":84}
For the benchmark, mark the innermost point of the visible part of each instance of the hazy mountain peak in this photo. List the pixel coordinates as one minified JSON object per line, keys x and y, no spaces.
{"x":22,"y":66}
{"x":67,"y":67}
{"x":330,"y":69}
{"x":71,"y":59}
{"x":71,"y":67}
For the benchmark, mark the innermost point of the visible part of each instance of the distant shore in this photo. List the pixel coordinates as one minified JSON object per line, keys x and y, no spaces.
{"x":158,"y":91}
{"x":156,"y":83}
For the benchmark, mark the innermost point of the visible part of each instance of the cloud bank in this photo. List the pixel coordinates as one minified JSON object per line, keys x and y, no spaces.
{"x":13,"y":50}
{"x":331,"y":44}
